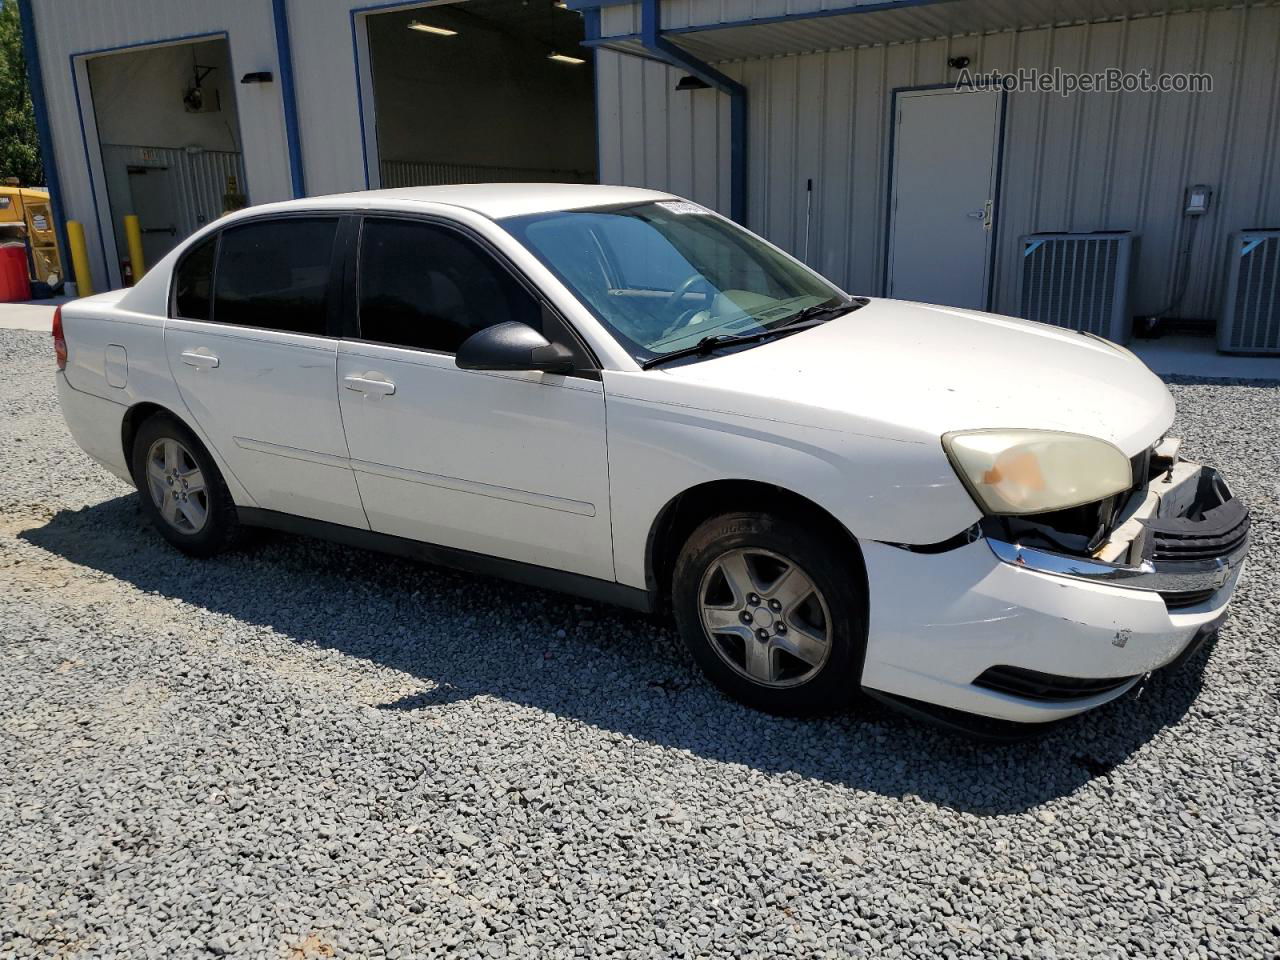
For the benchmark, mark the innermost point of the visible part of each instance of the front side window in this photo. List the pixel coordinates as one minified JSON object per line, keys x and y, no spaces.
{"x":193,"y":282}
{"x":274,"y":274}
{"x":662,"y":276}
{"x":429,"y":287}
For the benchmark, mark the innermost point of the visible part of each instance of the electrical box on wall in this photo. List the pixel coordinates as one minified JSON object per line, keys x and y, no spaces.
{"x":1198,"y":198}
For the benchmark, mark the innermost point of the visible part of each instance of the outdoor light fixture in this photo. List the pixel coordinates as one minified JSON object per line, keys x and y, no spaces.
{"x":434,"y":31}
{"x":690,"y":82}
{"x":564,"y":58}
{"x":258,"y":76}
{"x":560,"y":5}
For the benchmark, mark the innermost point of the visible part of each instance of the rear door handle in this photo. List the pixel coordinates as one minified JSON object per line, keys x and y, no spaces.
{"x":369,"y":385}
{"x":201,"y":358}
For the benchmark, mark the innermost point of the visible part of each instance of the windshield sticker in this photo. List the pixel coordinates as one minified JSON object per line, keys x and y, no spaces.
{"x":680,"y":206}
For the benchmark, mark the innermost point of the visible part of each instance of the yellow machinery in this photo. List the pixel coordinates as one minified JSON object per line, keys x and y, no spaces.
{"x":25,"y":214}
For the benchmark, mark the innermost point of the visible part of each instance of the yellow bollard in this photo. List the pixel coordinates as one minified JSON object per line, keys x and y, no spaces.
{"x":133,"y":233}
{"x":79,"y":258}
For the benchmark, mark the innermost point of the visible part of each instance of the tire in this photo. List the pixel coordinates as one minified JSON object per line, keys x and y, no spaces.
{"x":191,"y":508}
{"x":782,"y":650}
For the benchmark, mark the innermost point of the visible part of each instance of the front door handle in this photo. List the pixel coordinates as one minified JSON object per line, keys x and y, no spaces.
{"x":370,"y":384}
{"x":201,"y":359}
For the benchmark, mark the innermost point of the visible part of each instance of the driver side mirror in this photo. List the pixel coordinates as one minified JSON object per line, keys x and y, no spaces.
{"x":513,"y":346}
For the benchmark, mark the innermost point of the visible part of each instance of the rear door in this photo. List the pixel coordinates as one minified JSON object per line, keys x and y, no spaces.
{"x":249,"y":344}
{"x":506,"y":464}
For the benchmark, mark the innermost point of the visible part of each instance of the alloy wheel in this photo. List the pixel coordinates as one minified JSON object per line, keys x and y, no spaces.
{"x":177,"y":486}
{"x":765,"y":617}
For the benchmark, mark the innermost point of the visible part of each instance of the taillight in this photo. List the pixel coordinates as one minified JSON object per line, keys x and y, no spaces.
{"x":59,"y":341}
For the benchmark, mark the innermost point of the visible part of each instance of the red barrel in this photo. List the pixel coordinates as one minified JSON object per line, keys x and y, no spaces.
{"x":14,"y":282}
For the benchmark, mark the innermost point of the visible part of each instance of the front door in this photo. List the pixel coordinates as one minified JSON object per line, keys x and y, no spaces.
{"x":256,"y":365}
{"x":946,"y":152}
{"x":506,"y":464}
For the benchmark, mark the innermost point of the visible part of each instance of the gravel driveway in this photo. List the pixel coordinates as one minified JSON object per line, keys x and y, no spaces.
{"x":302,"y":750}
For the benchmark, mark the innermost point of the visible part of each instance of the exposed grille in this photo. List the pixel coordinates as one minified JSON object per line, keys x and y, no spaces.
{"x":1250,"y":321}
{"x":1215,"y":533}
{"x":1079,"y":281}
{"x":1033,"y":685}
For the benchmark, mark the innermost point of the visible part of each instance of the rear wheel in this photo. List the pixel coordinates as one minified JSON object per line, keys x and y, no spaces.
{"x":774,"y":614}
{"x":183,"y":493}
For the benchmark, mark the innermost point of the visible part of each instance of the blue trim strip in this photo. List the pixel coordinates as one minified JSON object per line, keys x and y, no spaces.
{"x":883,"y":7}
{"x":284,"y":55}
{"x":88,"y":168}
{"x":113,"y":270}
{"x":364,"y":136}
{"x":591,"y":31}
{"x":40,"y":106}
{"x":663,"y":49}
{"x":355,"y":13}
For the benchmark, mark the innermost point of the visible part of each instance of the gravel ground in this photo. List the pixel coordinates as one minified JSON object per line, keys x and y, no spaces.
{"x":302,"y":750}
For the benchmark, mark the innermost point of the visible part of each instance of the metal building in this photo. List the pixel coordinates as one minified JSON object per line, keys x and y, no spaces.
{"x":832,"y":127}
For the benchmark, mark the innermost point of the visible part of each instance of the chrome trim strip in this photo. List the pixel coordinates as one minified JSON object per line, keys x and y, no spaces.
{"x":1163,"y":577}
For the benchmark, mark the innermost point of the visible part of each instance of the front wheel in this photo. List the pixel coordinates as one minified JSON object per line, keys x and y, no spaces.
{"x":774,"y":614}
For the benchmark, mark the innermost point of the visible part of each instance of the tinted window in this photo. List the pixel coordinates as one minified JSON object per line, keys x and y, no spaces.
{"x":274,"y":275}
{"x":431,"y":287}
{"x":193,"y":285}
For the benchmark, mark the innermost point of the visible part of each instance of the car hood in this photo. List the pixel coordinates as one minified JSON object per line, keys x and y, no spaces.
{"x":914,"y":371}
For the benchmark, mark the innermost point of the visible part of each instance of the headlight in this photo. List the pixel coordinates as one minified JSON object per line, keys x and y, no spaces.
{"x":1036,"y":471}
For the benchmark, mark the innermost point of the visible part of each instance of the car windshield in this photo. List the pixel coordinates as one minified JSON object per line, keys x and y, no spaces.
{"x":663,"y":276}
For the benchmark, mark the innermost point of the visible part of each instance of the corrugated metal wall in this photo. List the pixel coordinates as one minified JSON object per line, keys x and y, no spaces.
{"x":68,"y":28}
{"x":421,"y":173}
{"x":1085,"y":163}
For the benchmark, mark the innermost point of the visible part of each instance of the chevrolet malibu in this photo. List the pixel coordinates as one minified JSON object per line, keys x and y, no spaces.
{"x":620,"y":394}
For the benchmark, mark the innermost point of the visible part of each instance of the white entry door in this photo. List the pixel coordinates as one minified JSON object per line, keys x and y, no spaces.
{"x":946,"y":152}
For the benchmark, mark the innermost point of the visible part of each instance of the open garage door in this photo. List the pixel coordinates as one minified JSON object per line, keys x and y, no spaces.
{"x":170,"y":136}
{"x":481,"y":90}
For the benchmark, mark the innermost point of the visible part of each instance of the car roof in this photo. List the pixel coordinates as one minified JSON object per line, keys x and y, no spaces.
{"x":494,"y":200}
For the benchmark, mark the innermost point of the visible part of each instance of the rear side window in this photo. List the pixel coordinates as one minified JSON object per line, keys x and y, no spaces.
{"x":193,"y":286}
{"x":275,"y":275}
{"x":429,"y":287}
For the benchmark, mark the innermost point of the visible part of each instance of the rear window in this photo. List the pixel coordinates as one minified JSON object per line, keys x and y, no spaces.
{"x":275,"y":274}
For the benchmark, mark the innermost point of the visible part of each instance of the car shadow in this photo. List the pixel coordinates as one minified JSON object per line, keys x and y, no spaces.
{"x":606,"y":667}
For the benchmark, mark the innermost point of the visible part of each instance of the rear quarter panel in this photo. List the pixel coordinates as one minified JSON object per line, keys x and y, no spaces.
{"x":117,"y":357}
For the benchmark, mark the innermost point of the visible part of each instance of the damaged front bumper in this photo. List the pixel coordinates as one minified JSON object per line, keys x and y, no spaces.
{"x":1181,"y":537}
{"x":1022,"y":633}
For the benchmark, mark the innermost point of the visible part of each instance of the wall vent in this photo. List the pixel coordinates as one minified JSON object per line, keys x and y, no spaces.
{"x":1250,"y":320}
{"x":1080,"y":281}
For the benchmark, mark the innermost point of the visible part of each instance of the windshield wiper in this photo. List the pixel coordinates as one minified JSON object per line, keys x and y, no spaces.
{"x":708,"y":344}
{"x":826,"y":311}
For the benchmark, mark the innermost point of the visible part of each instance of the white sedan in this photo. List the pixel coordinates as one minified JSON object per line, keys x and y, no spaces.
{"x":620,"y":394}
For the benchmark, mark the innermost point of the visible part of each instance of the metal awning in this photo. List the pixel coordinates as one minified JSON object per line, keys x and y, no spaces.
{"x":867,"y":24}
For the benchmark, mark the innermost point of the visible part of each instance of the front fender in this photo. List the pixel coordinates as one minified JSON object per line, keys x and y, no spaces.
{"x":901,"y":491}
